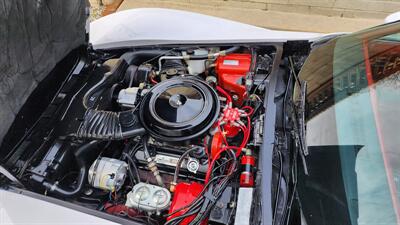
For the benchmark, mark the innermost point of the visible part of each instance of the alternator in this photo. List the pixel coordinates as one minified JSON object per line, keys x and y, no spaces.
{"x":108,"y":174}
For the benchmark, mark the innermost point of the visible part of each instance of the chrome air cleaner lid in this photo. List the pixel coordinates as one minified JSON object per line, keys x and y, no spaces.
{"x":179,"y":109}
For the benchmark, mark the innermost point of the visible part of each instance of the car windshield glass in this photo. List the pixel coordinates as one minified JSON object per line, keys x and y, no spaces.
{"x":353,"y":117}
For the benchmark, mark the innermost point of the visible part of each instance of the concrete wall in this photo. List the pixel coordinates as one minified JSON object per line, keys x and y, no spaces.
{"x":338,"y":8}
{"x":325,"y":16}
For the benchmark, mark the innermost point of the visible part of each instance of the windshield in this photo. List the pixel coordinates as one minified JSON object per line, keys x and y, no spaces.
{"x":353,"y":117}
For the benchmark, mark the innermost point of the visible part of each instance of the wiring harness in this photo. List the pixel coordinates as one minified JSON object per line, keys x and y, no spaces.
{"x":222,"y":170}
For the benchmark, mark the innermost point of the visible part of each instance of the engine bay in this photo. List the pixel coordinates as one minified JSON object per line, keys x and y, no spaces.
{"x":161,"y":136}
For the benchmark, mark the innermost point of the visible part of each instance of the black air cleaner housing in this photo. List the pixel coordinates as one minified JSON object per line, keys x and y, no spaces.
{"x":179,"y":109}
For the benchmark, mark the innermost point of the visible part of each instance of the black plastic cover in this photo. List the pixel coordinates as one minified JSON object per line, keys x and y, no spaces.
{"x":179,"y":109}
{"x":222,"y":211}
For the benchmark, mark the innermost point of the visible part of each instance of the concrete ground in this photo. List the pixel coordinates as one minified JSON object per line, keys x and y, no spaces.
{"x":263,"y":18}
{"x":95,"y":9}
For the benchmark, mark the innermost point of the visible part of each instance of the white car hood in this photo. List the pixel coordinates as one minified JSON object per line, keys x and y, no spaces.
{"x":154,"y":26}
{"x":18,"y":209}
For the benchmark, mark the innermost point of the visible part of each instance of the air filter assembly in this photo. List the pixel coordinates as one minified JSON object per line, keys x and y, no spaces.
{"x":179,"y":109}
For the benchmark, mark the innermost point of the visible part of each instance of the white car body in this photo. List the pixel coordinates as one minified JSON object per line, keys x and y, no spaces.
{"x":392,"y":17}
{"x":28,"y":210}
{"x":140,"y":27}
{"x":154,"y":26}
{"x":137,"y":27}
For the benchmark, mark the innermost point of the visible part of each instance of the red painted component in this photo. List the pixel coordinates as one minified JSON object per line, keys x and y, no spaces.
{"x":120,"y":209}
{"x":232,"y":70}
{"x":246,"y":179}
{"x":248,"y":160}
{"x":216,"y":143}
{"x":248,"y":163}
{"x":229,"y":120}
{"x":185,"y":193}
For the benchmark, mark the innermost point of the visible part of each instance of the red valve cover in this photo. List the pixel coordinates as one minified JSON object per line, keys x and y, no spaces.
{"x":185,"y":193}
{"x":231,"y":70}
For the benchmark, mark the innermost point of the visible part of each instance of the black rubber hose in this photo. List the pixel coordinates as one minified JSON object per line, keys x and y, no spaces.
{"x":118,"y":72}
{"x":178,"y":165}
{"x":133,"y":133}
{"x":133,"y":164}
{"x":137,"y":57}
{"x":80,"y":156}
{"x":109,"y":78}
{"x":106,"y":125}
{"x":145,"y":147}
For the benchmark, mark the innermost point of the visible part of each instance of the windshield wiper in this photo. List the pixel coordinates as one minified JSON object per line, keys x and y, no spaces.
{"x":299,"y":117}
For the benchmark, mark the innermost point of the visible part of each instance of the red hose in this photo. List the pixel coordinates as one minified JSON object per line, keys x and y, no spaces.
{"x":246,"y":134}
{"x":223,"y":92}
{"x":251,"y":110}
{"x":153,"y":81}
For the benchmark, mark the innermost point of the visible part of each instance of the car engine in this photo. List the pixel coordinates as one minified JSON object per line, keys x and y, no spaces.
{"x":156,"y":136}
